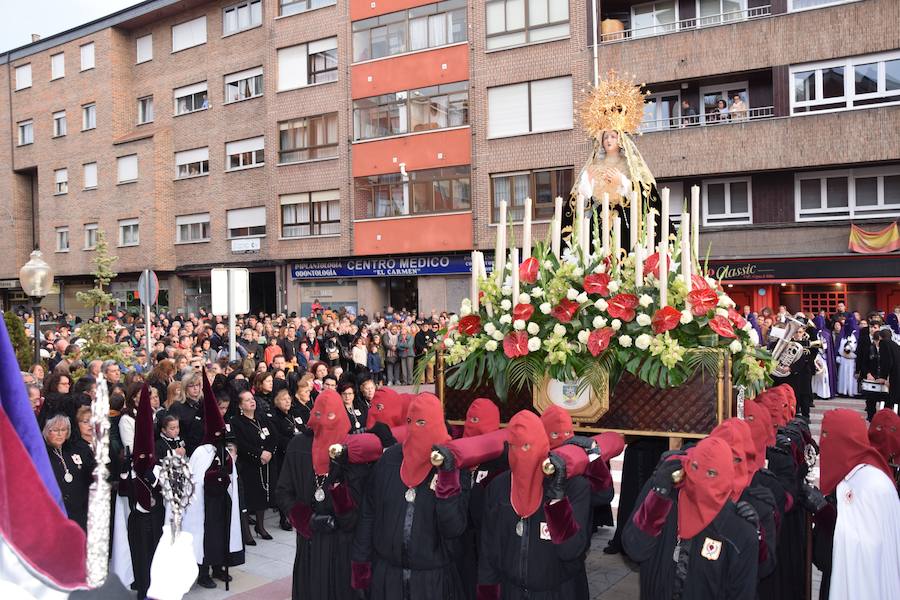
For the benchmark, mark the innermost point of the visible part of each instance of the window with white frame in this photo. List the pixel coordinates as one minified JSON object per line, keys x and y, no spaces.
{"x":143,"y":47}
{"x":654,"y":18}
{"x":246,"y":222}
{"x":863,"y":193}
{"x":59,"y":123}
{"x":90,"y":175}
{"x":90,"y":236}
{"x":661,"y":111}
{"x":423,"y":109}
{"x":191,"y":98}
{"x":417,"y":28}
{"x":309,"y":138}
{"x":189,"y":34}
{"x":847,"y":83}
{"x":129,"y":232}
{"x":127,"y":168}
{"x":530,"y":107}
{"x":88,"y":116}
{"x":727,"y":202}
{"x":23,"y":77}
{"x":239,"y":17}
{"x":311,"y":214}
{"x":192,"y":228}
{"x":244,"y":85}
{"x":543,"y":186}
{"x":192,"y":163}
{"x":244,"y":154}
{"x":715,"y":12}
{"x":292,"y":7}
{"x":62,"y":239}
{"x":306,"y":64}
{"x":711,"y":109}
{"x":517,"y":22}
{"x":57,"y":66}
{"x":145,"y":110}
{"x":794,"y":5}
{"x":87,"y":56}
{"x":60,"y":181}
{"x":26,"y":132}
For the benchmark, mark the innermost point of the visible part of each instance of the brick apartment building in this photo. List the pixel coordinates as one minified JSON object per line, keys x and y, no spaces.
{"x":355,"y":151}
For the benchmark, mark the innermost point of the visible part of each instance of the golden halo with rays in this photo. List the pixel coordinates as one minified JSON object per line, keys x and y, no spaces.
{"x":616,"y":104}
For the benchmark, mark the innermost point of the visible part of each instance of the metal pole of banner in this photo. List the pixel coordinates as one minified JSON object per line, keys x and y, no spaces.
{"x":595,"y":34}
{"x":232,"y":342}
{"x":145,"y":294}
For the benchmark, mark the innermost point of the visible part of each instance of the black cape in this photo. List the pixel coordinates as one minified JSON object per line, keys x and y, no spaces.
{"x":259,"y":480}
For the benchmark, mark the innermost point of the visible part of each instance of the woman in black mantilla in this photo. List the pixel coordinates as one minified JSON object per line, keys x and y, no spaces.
{"x":256,"y":443}
{"x":288,"y":423}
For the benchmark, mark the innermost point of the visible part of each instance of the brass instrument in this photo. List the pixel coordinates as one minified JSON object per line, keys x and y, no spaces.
{"x":793,"y":342}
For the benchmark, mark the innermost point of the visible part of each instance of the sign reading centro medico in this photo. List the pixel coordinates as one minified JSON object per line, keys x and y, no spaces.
{"x":389,"y":266}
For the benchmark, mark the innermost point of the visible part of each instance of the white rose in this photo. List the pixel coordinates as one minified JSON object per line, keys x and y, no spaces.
{"x":723,"y":300}
{"x":731,"y":302}
{"x":524,"y":298}
{"x":613,"y":286}
{"x":454,"y":318}
{"x":490,"y":346}
{"x":600,"y":268}
{"x":735,"y":346}
{"x":518,"y":324}
{"x":754,"y":337}
{"x":599,"y":322}
{"x":572,"y":294}
{"x":625,"y":341}
{"x":601,"y":304}
{"x":533,"y":328}
{"x":643,"y":341}
{"x":582,"y":298}
{"x":534,"y":344}
{"x":506,"y":290}
{"x":489,"y":328}
{"x":616,"y":324}
{"x":548,"y":264}
{"x":505,"y":319}
{"x":559,"y":330}
{"x":505,"y":304}
{"x":537,"y":292}
{"x":583,"y":336}
{"x":712,"y":282}
{"x":645,"y":300}
{"x":465,"y":310}
{"x":722,"y":312}
{"x":644,"y":319}
{"x":747,"y":327}
{"x":448,"y":343}
{"x":546,"y":308}
{"x":686,"y":317}
{"x":497,"y":335}
{"x":578,"y":272}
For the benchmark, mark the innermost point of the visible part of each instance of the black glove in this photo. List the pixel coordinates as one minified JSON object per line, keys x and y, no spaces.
{"x":384,"y":434}
{"x":321,"y":523}
{"x":746,"y":511}
{"x":812,"y":498}
{"x":761,"y":494}
{"x":149,"y":477}
{"x":555,"y":485}
{"x":583,"y":442}
{"x":661,"y":480}
{"x":449,"y":461}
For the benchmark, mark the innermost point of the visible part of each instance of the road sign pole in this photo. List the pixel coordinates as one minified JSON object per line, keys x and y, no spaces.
{"x":145,"y":293}
{"x":232,"y":342}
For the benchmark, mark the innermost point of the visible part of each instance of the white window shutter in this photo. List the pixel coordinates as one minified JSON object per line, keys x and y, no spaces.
{"x":508,"y":110}
{"x":247,"y":217}
{"x":190,"y":89}
{"x":127,"y":167}
{"x":551,"y":104}
{"x":57,"y":66}
{"x":243,"y":75}
{"x":87,"y":56}
{"x":144,"y":48}
{"x":250,"y":145}
{"x":191,"y":156}
{"x":292,"y":67}
{"x":90,"y":175}
{"x":323,"y":45}
{"x":191,"y":219}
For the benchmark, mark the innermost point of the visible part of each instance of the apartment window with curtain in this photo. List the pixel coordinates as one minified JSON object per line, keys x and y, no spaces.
{"x":306,"y":64}
{"x":864,"y":193}
{"x":191,"y":229}
{"x":26,"y":132}
{"x":129,"y":232}
{"x":90,"y":236}
{"x":191,"y":98}
{"x":57,"y":66}
{"x":145,"y":110}
{"x":192,"y":163}
{"x":87,"y":56}
{"x":90,"y":175}
{"x":59,"y":124}
{"x":189,"y":34}
{"x":244,"y":85}
{"x":847,"y":83}
{"x":543,"y":186}
{"x":447,"y":189}
{"x":292,"y":7}
{"x":727,"y":202}
{"x":240,"y":17}
{"x":246,"y":222}
{"x":244,"y":154}
{"x":88,"y":117}
{"x":144,"y":48}
{"x":311,"y":214}
{"x":61,"y":181}
{"x":308,"y":138}
{"x":419,"y":28}
{"x":530,"y":107}
{"x":517,"y":22}
{"x":423,"y":109}
{"x":23,"y":77}
{"x":127,"y":168}
{"x":62,"y":239}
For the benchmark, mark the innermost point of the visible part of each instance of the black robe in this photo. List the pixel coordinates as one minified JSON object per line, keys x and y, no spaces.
{"x":640,"y":460}
{"x":75,"y":492}
{"x":532,"y":567}
{"x":762,"y":500}
{"x":889,"y":368}
{"x":731,"y":576}
{"x":322,"y":563}
{"x":259,"y":480}
{"x":217,"y":507}
{"x":412,"y":547}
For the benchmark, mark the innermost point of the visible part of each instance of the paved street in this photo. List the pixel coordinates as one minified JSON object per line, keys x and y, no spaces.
{"x":267,"y":572}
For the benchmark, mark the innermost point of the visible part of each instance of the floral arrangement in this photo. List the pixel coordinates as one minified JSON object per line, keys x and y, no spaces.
{"x":587,"y":316}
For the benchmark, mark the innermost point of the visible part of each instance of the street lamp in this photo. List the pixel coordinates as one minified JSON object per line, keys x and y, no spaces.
{"x":36,"y":278}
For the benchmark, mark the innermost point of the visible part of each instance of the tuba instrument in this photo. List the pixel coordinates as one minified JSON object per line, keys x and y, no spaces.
{"x":792,"y":343}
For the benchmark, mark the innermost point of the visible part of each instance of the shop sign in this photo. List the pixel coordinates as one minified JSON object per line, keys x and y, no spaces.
{"x":826,"y":268}
{"x":387,"y":266}
{"x":8,"y":284}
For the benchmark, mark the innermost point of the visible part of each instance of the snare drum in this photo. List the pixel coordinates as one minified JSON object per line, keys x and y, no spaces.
{"x":874,"y":387}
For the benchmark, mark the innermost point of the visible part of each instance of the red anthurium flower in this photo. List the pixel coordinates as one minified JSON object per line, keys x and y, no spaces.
{"x":598,"y":341}
{"x":597,"y":283}
{"x":722,"y":326}
{"x":515,"y":344}
{"x":621,"y":306}
{"x":528,"y":270}
{"x":565,"y":310}
{"x":470,"y":325}
{"x":522,"y":311}
{"x":665,"y":319}
{"x":702,"y":300}
{"x":651,"y":265}
{"x":698,"y":282}
{"x":737,"y":318}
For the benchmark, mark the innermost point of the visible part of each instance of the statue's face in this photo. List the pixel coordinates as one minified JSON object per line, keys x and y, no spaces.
{"x":610,"y":142}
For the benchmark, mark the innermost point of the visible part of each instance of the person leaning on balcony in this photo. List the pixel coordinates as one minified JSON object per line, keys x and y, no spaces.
{"x":739,"y":110}
{"x":688,"y":114}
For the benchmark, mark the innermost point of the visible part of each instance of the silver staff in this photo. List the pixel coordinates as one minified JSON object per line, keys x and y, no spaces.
{"x":99,"y":503}
{"x":177,"y":488}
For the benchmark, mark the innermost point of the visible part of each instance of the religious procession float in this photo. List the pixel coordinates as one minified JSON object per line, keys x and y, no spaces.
{"x":612,"y":316}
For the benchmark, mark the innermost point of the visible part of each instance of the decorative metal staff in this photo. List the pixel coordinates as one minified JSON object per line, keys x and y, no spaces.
{"x":99,"y":504}
{"x":177,"y":488}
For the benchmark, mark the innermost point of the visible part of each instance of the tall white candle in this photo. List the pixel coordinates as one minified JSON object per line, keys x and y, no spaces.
{"x":663,"y":274}
{"x":686,"y":249}
{"x":526,"y":230}
{"x":639,"y":265}
{"x":476,"y":271}
{"x":695,"y":220}
{"x":617,"y":237}
{"x":578,"y":226}
{"x":514,"y":259}
{"x":557,"y":226}
{"x":586,"y":235}
{"x":500,"y":250}
{"x":635,"y":222}
{"x":651,"y":232}
{"x":605,"y":219}
{"x":664,"y":219}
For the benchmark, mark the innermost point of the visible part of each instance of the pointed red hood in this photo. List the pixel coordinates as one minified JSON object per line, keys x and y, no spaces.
{"x":482,"y":417}
{"x":708,"y":481}
{"x":884,"y":434}
{"x":213,"y":423}
{"x":761,"y":430}
{"x":774,"y":402}
{"x":425,"y":429}
{"x":528,"y":447}
{"x":736,"y":433}
{"x":845,"y":444}
{"x":330,"y":424}
{"x":387,"y":407}
{"x":144,"y":451}
{"x":558,"y":426}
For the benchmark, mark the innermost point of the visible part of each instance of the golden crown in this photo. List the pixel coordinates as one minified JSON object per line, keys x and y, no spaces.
{"x":615,"y":104}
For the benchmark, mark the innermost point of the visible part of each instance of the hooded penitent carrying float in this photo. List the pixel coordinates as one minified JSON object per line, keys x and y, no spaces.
{"x":611,"y":318}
